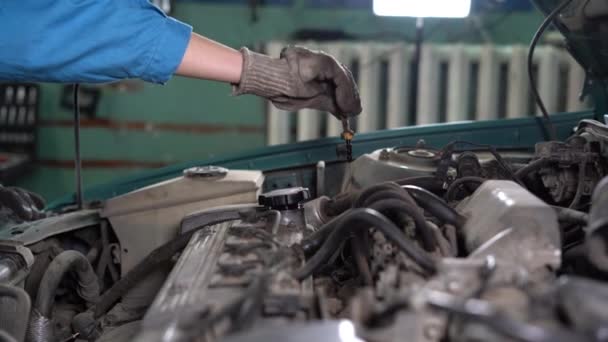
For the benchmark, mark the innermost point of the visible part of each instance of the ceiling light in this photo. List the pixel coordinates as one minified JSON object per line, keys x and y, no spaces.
{"x":423,"y":8}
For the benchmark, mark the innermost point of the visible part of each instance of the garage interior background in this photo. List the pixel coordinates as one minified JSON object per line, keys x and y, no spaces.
{"x":139,"y":126}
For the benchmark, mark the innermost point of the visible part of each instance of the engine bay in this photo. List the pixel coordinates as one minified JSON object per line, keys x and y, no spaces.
{"x":461,"y":242}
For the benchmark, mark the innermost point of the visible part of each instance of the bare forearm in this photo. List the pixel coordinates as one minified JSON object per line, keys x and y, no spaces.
{"x":206,"y":59}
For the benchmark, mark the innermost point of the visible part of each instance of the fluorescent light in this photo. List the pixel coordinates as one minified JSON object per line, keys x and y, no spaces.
{"x":423,"y":8}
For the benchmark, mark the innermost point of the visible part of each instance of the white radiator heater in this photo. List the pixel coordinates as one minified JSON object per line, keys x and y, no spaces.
{"x":456,"y":82}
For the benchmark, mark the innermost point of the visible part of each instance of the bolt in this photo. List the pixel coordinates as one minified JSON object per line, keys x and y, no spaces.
{"x":454,"y":286}
{"x":432,"y":331}
{"x":384,"y":155}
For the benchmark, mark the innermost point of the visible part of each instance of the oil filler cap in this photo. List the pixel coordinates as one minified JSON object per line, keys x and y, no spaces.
{"x":284,"y":199}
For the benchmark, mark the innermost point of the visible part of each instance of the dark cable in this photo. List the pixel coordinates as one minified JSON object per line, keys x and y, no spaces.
{"x":549,"y":127}
{"x":159,"y":256}
{"x":364,"y":197}
{"x":359,"y":246}
{"x":435,"y":206}
{"x":532,"y":167}
{"x":430,"y":183}
{"x":77,"y":156}
{"x":399,"y":207}
{"x":403,"y":204}
{"x":363,"y":218}
{"x":571,"y":215}
{"x":582,"y":169}
{"x":449,"y":195}
{"x":501,"y":162}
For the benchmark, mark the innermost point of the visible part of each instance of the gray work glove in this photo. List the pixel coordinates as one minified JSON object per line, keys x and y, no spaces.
{"x":300,"y":78}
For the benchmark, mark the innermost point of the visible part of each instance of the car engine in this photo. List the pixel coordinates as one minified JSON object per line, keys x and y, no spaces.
{"x":462,"y":242}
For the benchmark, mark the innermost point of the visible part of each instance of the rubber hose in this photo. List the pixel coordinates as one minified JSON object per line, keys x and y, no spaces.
{"x":429,"y":242}
{"x":571,"y":215}
{"x":580,"y":186}
{"x":313,"y":242}
{"x":88,"y":286}
{"x":340,"y":204}
{"x":386,"y":194}
{"x":532,"y":167}
{"x":382,"y":192}
{"x":363,"y":218}
{"x":430,"y":183}
{"x":365,"y":196}
{"x":343,"y":202}
{"x":449,"y":195}
{"x":14,"y":319}
{"x":157,"y":257}
{"x":435,"y":206}
{"x":359,"y":248}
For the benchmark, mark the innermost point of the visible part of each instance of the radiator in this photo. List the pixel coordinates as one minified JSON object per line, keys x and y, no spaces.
{"x":457,"y":82}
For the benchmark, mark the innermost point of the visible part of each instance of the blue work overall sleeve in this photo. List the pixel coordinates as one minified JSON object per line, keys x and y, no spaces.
{"x":91,"y":41}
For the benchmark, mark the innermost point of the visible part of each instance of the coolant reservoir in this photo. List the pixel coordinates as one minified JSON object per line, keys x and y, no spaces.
{"x":146,"y":218}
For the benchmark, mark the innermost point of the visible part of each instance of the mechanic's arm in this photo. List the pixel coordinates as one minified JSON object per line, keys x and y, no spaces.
{"x":95,"y":41}
{"x":300,"y":78}
{"x":210,"y":60}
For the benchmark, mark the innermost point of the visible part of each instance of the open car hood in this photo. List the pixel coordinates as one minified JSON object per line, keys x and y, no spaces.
{"x":584,"y":24}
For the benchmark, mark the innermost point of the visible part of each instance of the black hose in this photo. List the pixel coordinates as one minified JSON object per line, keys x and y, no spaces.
{"x":582,"y":170}
{"x":363,"y":218}
{"x":14,"y":316}
{"x":501,"y":162}
{"x":157,"y":257}
{"x":400,"y":207}
{"x":312,"y":243}
{"x":345,"y":201}
{"x":359,"y":248}
{"x":430,"y":183}
{"x":356,"y":199}
{"x":402,"y":203}
{"x":571,"y":215}
{"x":340,"y":203}
{"x":548,"y":125}
{"x":532,"y":167}
{"x":383,"y":191}
{"x":88,"y":286}
{"x":435,"y":206}
{"x":372,"y":193}
{"x":449,"y":194}
{"x":388,"y":194}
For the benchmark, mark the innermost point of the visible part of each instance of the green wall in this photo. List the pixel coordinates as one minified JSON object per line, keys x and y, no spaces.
{"x":149,"y":125}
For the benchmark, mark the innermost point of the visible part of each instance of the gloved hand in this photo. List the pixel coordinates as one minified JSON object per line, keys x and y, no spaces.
{"x":300,"y":78}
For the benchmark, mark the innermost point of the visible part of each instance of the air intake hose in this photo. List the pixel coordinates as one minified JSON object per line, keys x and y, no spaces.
{"x":41,"y":327}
